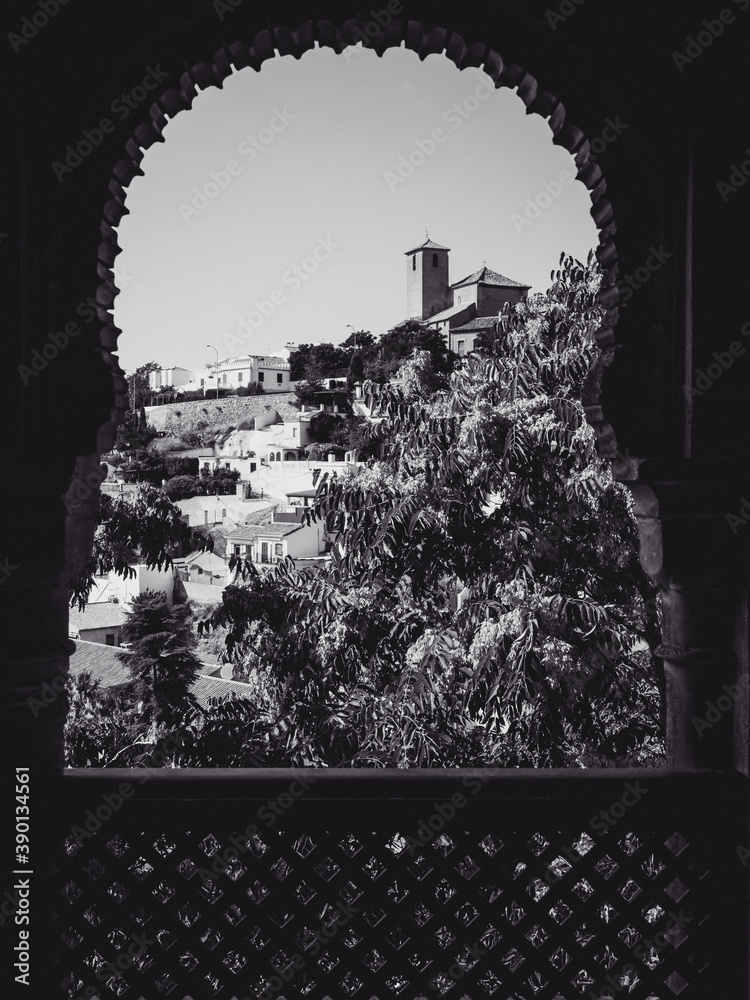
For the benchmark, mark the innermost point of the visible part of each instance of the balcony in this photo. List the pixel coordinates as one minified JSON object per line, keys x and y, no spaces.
{"x":379,"y":884}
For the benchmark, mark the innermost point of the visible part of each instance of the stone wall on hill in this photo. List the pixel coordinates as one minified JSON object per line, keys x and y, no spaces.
{"x":231,"y":409}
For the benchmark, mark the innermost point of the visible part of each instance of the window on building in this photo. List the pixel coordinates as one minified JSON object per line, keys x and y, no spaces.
{"x":434,"y":260}
{"x":226,"y":465}
{"x":261,"y":376}
{"x":279,"y":378}
{"x":203,"y":382}
{"x":414,"y":263}
{"x":239,"y":377}
{"x":264,"y":552}
{"x":205,"y":517}
{"x":279,"y":550}
{"x":294,"y":432}
{"x":109,"y":639}
{"x":458,"y":300}
{"x":224,"y":378}
{"x":223,"y":513}
{"x":272,"y":457}
{"x":461,"y":347}
{"x":236,"y":550}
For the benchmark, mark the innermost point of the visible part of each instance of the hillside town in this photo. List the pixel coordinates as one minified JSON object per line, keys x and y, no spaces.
{"x":253,"y":437}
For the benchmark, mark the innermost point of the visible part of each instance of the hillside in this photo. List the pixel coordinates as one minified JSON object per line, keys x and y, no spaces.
{"x":217,"y":414}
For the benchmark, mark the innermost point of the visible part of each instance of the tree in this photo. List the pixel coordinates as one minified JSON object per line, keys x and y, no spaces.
{"x":143,"y":524}
{"x":161,"y":662}
{"x":310,"y":362}
{"x":483,"y":601}
{"x":323,"y":426}
{"x":182,"y":487}
{"x":399,"y":344}
{"x":139,"y":390}
{"x":306,"y":393}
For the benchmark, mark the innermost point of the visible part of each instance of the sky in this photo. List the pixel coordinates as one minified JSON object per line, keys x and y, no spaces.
{"x":279,"y":208}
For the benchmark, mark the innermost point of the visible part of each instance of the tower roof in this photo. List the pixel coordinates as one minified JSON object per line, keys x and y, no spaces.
{"x":427,"y":245}
{"x":484,"y":276}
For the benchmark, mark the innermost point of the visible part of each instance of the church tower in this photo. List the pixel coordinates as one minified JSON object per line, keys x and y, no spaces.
{"x":427,"y":286}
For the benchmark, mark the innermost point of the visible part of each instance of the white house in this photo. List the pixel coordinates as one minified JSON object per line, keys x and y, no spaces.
{"x":235,"y":373}
{"x":213,"y":510}
{"x":168,"y":378}
{"x":286,"y":535}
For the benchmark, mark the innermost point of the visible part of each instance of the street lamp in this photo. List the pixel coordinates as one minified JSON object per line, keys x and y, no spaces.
{"x":217,"y":368}
{"x":350,"y":327}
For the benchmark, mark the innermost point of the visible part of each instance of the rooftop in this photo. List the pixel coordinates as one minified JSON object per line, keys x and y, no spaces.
{"x":480,"y":323}
{"x":485,"y":276}
{"x":105,"y":614}
{"x":449,"y":313}
{"x":277,"y":529}
{"x":427,"y":245}
{"x":102,"y":663}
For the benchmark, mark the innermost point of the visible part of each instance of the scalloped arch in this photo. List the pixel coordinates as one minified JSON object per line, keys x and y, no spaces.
{"x":282,"y":41}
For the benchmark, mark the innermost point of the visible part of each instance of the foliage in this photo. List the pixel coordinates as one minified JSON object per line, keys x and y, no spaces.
{"x":143,"y":524}
{"x":138,"y":383}
{"x":311,"y":362}
{"x":217,"y":482}
{"x":306,"y":393}
{"x":483,"y":599}
{"x":483,"y":603}
{"x":161,"y":661}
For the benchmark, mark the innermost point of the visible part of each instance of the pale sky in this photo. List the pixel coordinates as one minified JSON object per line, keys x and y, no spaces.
{"x":316,"y":145}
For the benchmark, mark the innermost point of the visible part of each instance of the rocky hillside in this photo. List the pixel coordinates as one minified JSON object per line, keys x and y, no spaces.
{"x":228,"y":412}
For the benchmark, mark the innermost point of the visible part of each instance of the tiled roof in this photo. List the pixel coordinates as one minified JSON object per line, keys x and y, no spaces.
{"x":480,"y":323}
{"x":218,"y":687}
{"x":427,"y":245}
{"x":450,"y":312}
{"x":103,"y":615}
{"x":484,"y":276}
{"x":101,"y":661}
{"x":277,"y":529}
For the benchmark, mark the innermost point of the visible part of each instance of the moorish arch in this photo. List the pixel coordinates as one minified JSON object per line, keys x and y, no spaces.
{"x":71,"y":271}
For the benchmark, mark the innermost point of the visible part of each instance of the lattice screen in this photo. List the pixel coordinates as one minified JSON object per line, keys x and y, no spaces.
{"x":475,"y":913}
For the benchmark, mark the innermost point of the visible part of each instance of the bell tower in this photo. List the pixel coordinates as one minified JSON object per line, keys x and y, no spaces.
{"x":427,"y":285}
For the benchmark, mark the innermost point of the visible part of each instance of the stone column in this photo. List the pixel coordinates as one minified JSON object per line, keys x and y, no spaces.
{"x":695,"y":548}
